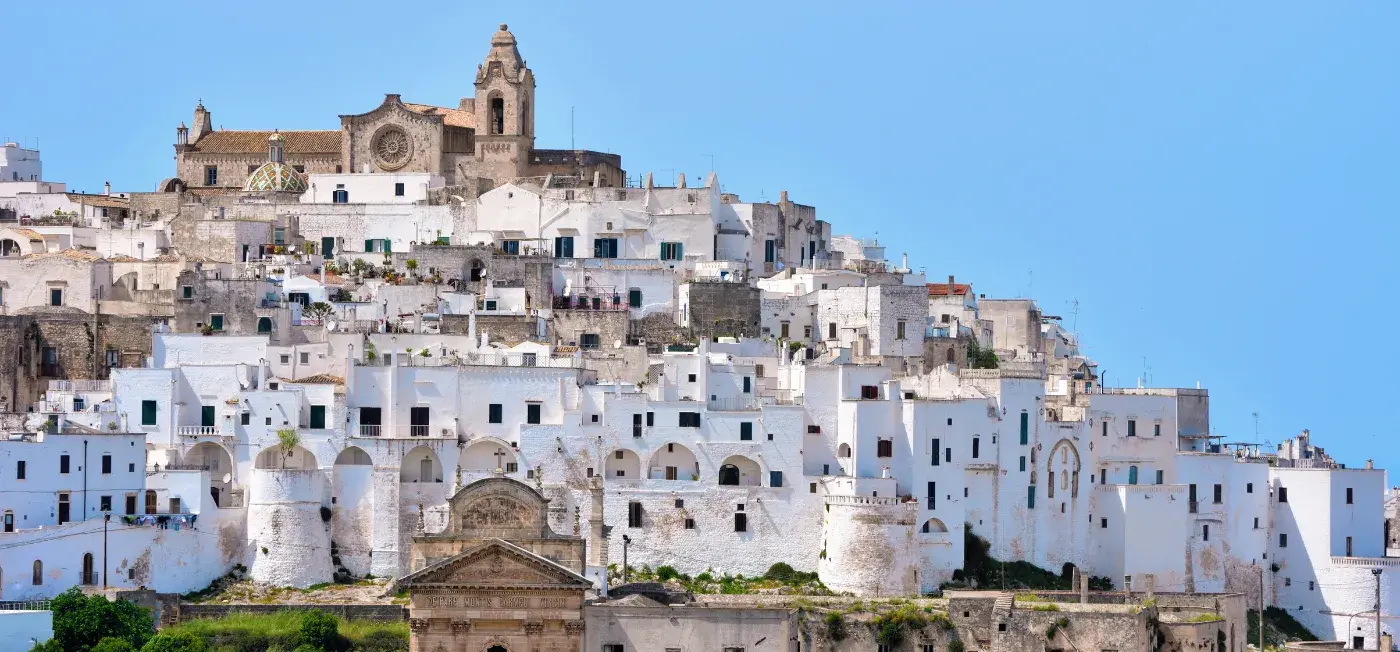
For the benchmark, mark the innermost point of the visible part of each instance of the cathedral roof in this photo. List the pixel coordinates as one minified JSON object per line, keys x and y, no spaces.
{"x":255,"y":142}
{"x":450,"y":117}
{"x":275,"y":177}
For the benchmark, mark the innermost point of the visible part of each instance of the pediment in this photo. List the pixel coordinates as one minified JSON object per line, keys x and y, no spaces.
{"x":497,"y":564}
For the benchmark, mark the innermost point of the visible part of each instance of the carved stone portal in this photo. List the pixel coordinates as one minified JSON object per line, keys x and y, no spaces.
{"x":495,"y":512}
{"x":418,"y":625}
{"x":460,"y":627}
{"x":573,"y":627}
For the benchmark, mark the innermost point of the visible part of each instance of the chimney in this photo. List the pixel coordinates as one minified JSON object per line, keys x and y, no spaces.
{"x":680,"y":180}
{"x":1386,"y":642}
{"x":647,"y":184}
{"x":950,"y":283}
{"x":107,"y":188}
{"x":262,"y":373}
{"x":597,"y":178}
{"x":349,"y":371}
{"x":1151,"y":585}
{"x":782,"y":197}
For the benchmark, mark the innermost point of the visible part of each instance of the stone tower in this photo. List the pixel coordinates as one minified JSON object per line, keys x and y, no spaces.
{"x":504,"y":105}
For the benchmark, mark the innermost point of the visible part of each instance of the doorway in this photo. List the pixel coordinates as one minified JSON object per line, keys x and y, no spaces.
{"x":328,"y":248}
{"x":89,"y":577}
{"x":418,"y":422}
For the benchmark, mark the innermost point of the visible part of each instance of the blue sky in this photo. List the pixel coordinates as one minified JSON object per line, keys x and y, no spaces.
{"x":1213,"y":182}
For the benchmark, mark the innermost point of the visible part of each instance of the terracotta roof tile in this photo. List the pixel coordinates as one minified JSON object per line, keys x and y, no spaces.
{"x":319,"y":379}
{"x":34,"y":236}
{"x":100,"y":201}
{"x":450,"y":117}
{"x":255,"y":142}
{"x":943,"y":289}
{"x":80,"y":255}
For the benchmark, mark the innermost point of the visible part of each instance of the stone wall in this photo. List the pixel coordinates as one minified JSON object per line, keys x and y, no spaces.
{"x":389,"y":612}
{"x":723,"y":309}
{"x":80,"y":343}
{"x":569,"y":326}
{"x":510,"y":329}
{"x":235,"y":299}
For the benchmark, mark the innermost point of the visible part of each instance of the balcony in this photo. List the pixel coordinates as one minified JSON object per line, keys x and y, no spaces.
{"x":434,"y":431}
{"x":80,"y":385}
{"x":732,"y":404}
{"x":89,"y":579}
{"x":194,"y":432}
{"x":611,"y":301}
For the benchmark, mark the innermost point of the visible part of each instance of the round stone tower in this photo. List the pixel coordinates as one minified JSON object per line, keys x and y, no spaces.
{"x":870,"y":547}
{"x":291,"y":543}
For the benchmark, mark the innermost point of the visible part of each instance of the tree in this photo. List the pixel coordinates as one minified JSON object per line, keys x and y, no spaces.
{"x":176,"y":642}
{"x":412,"y":265}
{"x":320,"y":630}
{"x":112,"y":644}
{"x":81,"y":622}
{"x":318,"y":310}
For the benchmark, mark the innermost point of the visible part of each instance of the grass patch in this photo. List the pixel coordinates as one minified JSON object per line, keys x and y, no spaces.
{"x":1030,"y":597}
{"x":1279,"y":628}
{"x":1049,"y":606}
{"x":284,"y":629}
{"x":1205,"y":618}
{"x":780,"y":578}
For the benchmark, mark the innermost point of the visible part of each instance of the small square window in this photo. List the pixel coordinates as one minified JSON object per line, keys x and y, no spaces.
{"x":398,"y":190}
{"x":1103,"y":523}
{"x":690,"y":524}
{"x":680,"y":503}
{"x":691,"y":378}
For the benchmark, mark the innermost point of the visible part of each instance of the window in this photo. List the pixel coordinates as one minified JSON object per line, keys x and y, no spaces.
{"x":216,"y":322}
{"x":494,"y":413}
{"x":634,"y":298}
{"x":63,"y":464}
{"x":285,"y":358}
{"x":884,"y":448}
{"x":1283,"y":494}
{"x":936,"y":448}
{"x":932,"y":495}
{"x":306,"y":358}
{"x":511,"y":247}
{"x":607,"y":647}
{"x":1349,"y":495}
{"x":741,"y":522}
{"x":746,"y":431}
{"x":1160,"y":476}
{"x":340,"y":195}
{"x":9,"y":521}
{"x":1283,"y":540}
{"x":636,"y":425}
{"x":1103,"y":523}
{"x":831,"y":331}
{"x":316,"y":418}
{"x":651,"y":419}
{"x":1023,"y":463}
{"x":671,"y":251}
{"x":245,"y":417}
{"x":899,"y":330}
{"x":748,"y":385}
{"x":976,"y":447}
{"x":1030,"y":497}
{"x":148,"y":413}
{"x":690,"y":378}
{"x":1105,"y":428}
{"x":806,"y":332}
{"x":1219,"y":494}
{"x":948,"y":455}
{"x":1256,"y":522}
{"x":1025,"y":427}
{"x":812,"y":487}
{"x":690,"y":524}
{"x":1348,"y":546}
{"x":55,"y":296}
{"x":770,"y":251}
{"x":38,"y":572}
{"x":398,"y":190}
{"x":1249,"y":487}
{"x":588,"y":341}
{"x":1132,"y":427}
{"x":211,"y":178}
{"x":564,"y":246}
{"x":104,"y":504}
{"x":689,"y":419}
{"x":634,"y":514}
{"x":106,"y":464}
{"x":532,"y":413}
{"x":869,"y":392}
{"x":605,"y":247}
{"x":775,"y":479}
{"x":1311,"y":584}
{"x":63,"y":507}
{"x":1156,"y":430}
{"x":1205,"y":533}
{"x":130,"y":504}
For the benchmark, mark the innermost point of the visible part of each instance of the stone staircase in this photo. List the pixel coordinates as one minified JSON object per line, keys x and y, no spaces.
{"x":1003,"y":605}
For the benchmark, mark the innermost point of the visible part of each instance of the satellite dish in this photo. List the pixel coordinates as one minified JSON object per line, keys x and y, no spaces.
{"x":227,"y":477}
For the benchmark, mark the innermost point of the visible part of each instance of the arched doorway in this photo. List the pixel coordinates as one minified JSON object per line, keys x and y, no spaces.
{"x":89,"y":577}
{"x":673,"y":461}
{"x":477,"y":271}
{"x":420,"y":465}
{"x":264,"y":324}
{"x":933,"y":526}
{"x":216,"y":459}
{"x":276,"y":457}
{"x":738,"y":470}
{"x":843,"y":451}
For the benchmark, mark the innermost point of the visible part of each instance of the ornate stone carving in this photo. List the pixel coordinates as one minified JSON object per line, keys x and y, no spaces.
{"x":496,"y":512}
{"x":460,"y":627}
{"x":418,"y":625}
{"x":534,"y":627}
{"x":496,"y":566}
{"x":573,"y":627}
{"x":391,"y":147}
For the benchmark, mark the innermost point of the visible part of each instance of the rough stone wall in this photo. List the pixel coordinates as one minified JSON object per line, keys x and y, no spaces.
{"x":153,"y":205}
{"x":568,"y":327}
{"x":936,"y":352}
{"x":501,"y":328}
{"x":234,"y":298}
{"x":424,"y":133}
{"x":867,"y":546}
{"x":233,"y":167}
{"x":724,"y":309}
{"x":628,"y":364}
{"x":80,"y":343}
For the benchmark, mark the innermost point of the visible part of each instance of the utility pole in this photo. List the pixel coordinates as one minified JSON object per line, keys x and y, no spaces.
{"x":626,"y":541}
{"x":106,"y":517}
{"x":1377,"y":573}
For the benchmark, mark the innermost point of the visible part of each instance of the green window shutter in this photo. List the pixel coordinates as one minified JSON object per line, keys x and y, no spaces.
{"x":1025,"y":428}
{"x":634,"y":298}
{"x":1030,"y":497}
{"x":388,"y":246}
{"x":318,"y":417}
{"x":148,"y":413}
{"x":369,"y":246}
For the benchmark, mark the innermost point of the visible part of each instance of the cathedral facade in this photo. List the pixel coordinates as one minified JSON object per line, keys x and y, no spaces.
{"x":490,"y":135}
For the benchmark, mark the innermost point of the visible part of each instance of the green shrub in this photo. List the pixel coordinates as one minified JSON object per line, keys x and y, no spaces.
{"x":320,"y":630}
{"x":956,"y":645}
{"x":382,"y":641}
{"x":80,"y":622}
{"x":1049,"y":606}
{"x":835,"y":626}
{"x":666,"y":573}
{"x":174,"y":642}
{"x":112,"y":644}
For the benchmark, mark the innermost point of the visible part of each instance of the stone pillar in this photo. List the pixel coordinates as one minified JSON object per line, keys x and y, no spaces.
{"x":1385,"y":643}
{"x":1083,"y":589}
{"x":384,"y":529}
{"x":1151,"y":585}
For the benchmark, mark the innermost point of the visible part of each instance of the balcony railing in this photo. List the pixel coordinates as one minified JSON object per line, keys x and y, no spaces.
{"x":90,"y":579}
{"x":198,"y":431}
{"x":80,"y":385}
{"x":1193,"y":507}
{"x":406,"y":432}
{"x":591,"y":301}
{"x":732,"y":404}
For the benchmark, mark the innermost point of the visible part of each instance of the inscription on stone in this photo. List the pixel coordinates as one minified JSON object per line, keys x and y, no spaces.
{"x":441,"y":601}
{"x":514,"y":602}
{"x":552,"y":603}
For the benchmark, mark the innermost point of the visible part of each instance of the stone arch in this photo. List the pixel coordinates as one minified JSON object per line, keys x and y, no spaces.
{"x":420,"y":465}
{"x":11,"y":247}
{"x":741,"y":471}
{"x":353,"y":456}
{"x":933,"y":526}
{"x":622,"y":464}
{"x":672,"y":461}
{"x":495,"y":113}
{"x":476,"y":270}
{"x":277,"y":458}
{"x":487,"y":454}
{"x":265,"y":324}
{"x":843,"y":451}
{"x":1063,"y":461}
{"x":217,"y":460}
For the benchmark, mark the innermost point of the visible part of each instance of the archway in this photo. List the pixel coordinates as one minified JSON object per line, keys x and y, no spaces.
{"x":843,"y":451}
{"x":741,"y":471}
{"x":933,"y":526}
{"x":353,"y":456}
{"x":264,"y":324}
{"x":420,"y":465}
{"x":278,"y":458}
{"x":217,"y":461}
{"x":623,"y":464}
{"x":1063,"y":461}
{"x":487,"y":455}
{"x":89,"y":578}
{"x":673,"y":461}
{"x":38,"y":573}
{"x":476,"y":271}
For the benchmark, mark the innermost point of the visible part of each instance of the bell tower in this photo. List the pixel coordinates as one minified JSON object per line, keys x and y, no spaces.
{"x":504,"y":107}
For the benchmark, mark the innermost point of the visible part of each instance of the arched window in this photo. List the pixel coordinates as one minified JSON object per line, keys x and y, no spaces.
{"x":264,"y":324}
{"x":729,"y":475}
{"x":933,"y":525}
{"x":477,"y":271}
{"x":38,"y":572}
{"x":525,"y":118}
{"x":1049,"y":486}
{"x":1064,"y":456}
{"x":1132,"y":475}
{"x":843,"y":450}
{"x":498,"y":115}
{"x":89,"y":577}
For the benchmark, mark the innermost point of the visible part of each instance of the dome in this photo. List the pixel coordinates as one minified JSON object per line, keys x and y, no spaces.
{"x":275,"y":176}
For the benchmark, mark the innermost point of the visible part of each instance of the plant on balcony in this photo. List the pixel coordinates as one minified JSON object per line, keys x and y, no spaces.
{"x":206,"y":330}
{"x":425,"y":353}
{"x":318,"y":310}
{"x":411,"y":265}
{"x":370,"y":352}
{"x":287,"y":440}
{"x":358,"y":266}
